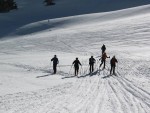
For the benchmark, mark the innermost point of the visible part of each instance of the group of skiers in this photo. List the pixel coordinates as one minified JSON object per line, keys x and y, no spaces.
{"x":92,"y":61}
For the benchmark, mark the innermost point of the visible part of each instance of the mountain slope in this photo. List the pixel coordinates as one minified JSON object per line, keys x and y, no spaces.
{"x":28,"y":86}
{"x":34,"y":10}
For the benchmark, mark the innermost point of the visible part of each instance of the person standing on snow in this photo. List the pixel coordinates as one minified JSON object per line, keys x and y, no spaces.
{"x":113,"y":62}
{"x":103,"y":48}
{"x":103,"y":59}
{"x":91,"y":63}
{"x":55,"y":62}
{"x":76,"y":64}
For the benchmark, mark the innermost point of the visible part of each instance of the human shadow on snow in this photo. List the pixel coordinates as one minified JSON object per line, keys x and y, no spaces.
{"x":94,"y":73}
{"x":82,"y":76}
{"x":44,"y":75}
{"x":108,"y":76}
{"x":50,"y":72}
{"x":69,"y":77}
{"x":90,"y":74}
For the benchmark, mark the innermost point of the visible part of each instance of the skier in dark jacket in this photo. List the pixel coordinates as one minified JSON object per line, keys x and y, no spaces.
{"x":55,"y":62}
{"x":103,"y":48}
{"x":113,"y":62}
{"x":76,"y":64}
{"x":103,"y":59}
{"x":91,"y":63}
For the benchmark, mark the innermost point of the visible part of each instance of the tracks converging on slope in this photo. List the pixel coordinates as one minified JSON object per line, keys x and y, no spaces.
{"x":89,"y":94}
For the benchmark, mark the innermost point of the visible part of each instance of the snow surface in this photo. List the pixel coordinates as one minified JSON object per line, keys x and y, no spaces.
{"x":30,"y":11}
{"x":26,"y":82}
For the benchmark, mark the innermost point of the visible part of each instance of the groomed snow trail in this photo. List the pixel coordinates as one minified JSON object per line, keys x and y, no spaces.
{"x":89,"y":94}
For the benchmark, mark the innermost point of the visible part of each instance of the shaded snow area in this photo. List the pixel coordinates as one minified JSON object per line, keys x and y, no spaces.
{"x":30,"y":11}
{"x":27,"y":84}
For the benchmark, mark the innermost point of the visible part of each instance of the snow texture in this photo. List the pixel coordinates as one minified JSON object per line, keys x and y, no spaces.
{"x":27,"y":84}
{"x":30,"y":11}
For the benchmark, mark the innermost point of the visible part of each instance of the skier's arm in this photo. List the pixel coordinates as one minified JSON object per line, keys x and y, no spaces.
{"x":107,"y":56}
{"x":94,"y":60}
{"x":73,"y":62}
{"x":80,"y":63}
{"x":116,"y":60}
{"x":57,"y":61}
{"x":52,"y":59}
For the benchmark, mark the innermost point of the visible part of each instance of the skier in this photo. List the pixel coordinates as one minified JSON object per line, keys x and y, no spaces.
{"x":103,"y":59}
{"x":91,"y":63}
{"x":113,"y":62}
{"x":76,"y":64}
{"x":55,"y":62}
{"x":103,"y":48}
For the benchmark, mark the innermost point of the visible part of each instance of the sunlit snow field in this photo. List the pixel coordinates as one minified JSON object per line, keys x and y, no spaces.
{"x":28,"y":86}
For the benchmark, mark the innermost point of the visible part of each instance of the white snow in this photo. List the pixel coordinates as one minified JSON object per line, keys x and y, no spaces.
{"x":26,"y":83}
{"x":30,"y":11}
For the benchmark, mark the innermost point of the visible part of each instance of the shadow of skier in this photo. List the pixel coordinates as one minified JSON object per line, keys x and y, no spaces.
{"x":107,"y":76}
{"x":44,"y":75}
{"x":69,"y":77}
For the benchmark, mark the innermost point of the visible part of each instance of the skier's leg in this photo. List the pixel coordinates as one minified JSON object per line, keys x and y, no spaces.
{"x":77,"y":71}
{"x":101,"y":63}
{"x":55,"y":69}
{"x":114,"y":70}
{"x":92,"y":67}
{"x":104,"y":63}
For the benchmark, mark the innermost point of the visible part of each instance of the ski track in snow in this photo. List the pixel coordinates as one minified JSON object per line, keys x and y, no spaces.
{"x":89,"y":94}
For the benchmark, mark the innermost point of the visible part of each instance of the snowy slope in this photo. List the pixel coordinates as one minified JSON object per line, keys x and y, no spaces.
{"x":34,"y":10}
{"x":26,"y":83}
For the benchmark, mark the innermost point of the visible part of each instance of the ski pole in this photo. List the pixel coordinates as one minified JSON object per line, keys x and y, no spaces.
{"x":70,"y":70}
{"x":59,"y":67}
{"x":50,"y":66}
{"x":88,"y":69}
{"x":117,"y":67}
{"x":95,"y":65}
{"x":107,"y":67}
{"x":81,"y":70}
{"x":108,"y":70}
